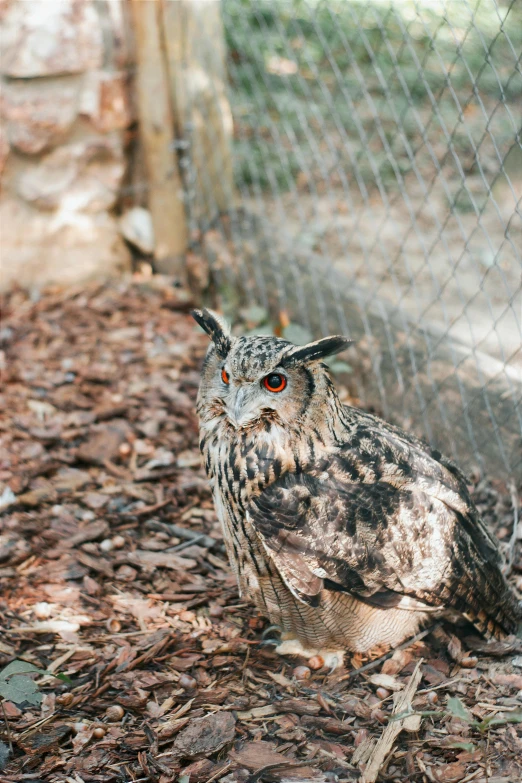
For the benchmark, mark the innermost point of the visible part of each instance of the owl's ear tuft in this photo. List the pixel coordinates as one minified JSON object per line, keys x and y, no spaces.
{"x":216,"y":327}
{"x":319,"y":349}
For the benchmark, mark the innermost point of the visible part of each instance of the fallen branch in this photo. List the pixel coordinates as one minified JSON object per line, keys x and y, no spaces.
{"x":402,"y":703}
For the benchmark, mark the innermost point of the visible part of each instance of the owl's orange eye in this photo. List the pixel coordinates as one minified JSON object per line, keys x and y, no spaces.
{"x":225,"y":377}
{"x":274,"y":382}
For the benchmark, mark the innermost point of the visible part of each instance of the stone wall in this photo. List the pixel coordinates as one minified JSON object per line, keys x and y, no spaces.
{"x":65,"y":105}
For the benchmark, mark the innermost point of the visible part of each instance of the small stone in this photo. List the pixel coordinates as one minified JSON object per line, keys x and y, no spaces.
{"x":382,"y":693}
{"x":216,"y":611}
{"x":125,"y":449}
{"x":90,"y":547}
{"x":302,"y":673}
{"x":142,"y":448}
{"x":95,"y":500}
{"x":113,"y":625}
{"x":316,"y":662}
{"x":114,"y":713}
{"x":42,"y":610}
{"x":99,"y":732}
{"x":64,"y":699}
{"x":106,"y":545}
{"x":187,"y":682}
{"x":137,"y":228}
{"x":118,"y":542}
{"x":432,"y":697}
{"x":126,"y":574}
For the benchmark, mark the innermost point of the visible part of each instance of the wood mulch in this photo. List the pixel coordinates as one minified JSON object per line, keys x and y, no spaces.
{"x":113,"y":574}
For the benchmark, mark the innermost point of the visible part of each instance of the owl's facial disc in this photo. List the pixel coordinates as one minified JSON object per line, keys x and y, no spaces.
{"x":246,"y":400}
{"x":261,"y":382}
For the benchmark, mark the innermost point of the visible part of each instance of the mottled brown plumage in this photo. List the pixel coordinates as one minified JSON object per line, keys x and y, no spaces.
{"x":344,"y":530}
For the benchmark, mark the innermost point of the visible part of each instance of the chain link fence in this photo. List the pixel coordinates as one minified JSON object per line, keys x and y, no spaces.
{"x":377,"y":176}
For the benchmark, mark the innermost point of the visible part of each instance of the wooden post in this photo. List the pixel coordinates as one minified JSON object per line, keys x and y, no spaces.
{"x":195,"y":47}
{"x":156,"y":128}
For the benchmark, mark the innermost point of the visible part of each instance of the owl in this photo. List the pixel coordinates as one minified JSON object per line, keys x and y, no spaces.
{"x":345,"y":531}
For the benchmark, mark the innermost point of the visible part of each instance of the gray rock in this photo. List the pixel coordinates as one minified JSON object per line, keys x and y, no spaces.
{"x":41,"y":248}
{"x":136,"y":226}
{"x":50,"y":38}
{"x":38,"y":114}
{"x":80,"y":177}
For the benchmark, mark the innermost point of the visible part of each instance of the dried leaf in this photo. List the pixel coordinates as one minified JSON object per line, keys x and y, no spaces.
{"x":160,"y":560}
{"x":16,"y":686}
{"x":104,"y":444}
{"x":45,"y":741}
{"x":204,"y":736}
{"x":386,"y":681}
{"x":449,"y":773}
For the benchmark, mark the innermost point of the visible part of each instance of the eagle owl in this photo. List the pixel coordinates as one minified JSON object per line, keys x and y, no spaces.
{"x":344,"y":530}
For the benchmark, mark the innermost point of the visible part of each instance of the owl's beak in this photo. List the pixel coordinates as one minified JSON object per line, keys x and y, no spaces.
{"x":235,"y":407}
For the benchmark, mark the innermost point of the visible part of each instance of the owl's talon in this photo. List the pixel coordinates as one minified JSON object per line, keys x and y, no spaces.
{"x":270,"y":643}
{"x":269,"y":629}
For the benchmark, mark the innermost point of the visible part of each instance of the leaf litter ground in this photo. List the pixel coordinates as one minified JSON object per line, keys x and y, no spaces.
{"x":115,"y":586}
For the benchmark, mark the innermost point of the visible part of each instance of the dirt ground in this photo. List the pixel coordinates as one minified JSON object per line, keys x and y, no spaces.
{"x":452,"y":272}
{"x":114,"y":584}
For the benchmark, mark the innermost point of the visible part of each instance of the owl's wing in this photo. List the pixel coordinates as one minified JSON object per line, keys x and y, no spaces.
{"x":388,"y":546}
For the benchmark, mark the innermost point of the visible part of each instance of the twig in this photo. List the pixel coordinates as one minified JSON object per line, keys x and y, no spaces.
{"x":377,"y":661}
{"x":514,"y":535}
{"x":7,"y":729}
{"x":114,"y":470}
{"x":218,"y":773}
{"x":386,"y":741}
{"x":245,"y":664}
{"x":139,"y":512}
{"x":191,"y":536}
{"x":283,"y":764}
{"x":38,"y":725}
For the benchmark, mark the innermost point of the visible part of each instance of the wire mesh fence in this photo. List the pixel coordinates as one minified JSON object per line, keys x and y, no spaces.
{"x":377,"y":168}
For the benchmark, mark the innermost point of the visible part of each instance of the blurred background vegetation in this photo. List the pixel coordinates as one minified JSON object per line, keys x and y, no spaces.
{"x":364,"y":85}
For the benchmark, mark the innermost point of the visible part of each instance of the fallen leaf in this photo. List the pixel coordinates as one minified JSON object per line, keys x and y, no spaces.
{"x":160,"y":560}
{"x":44,"y":741}
{"x":16,"y":686}
{"x":204,"y":736}
{"x":386,"y":681}
{"x":104,"y":443}
{"x":449,"y":773}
